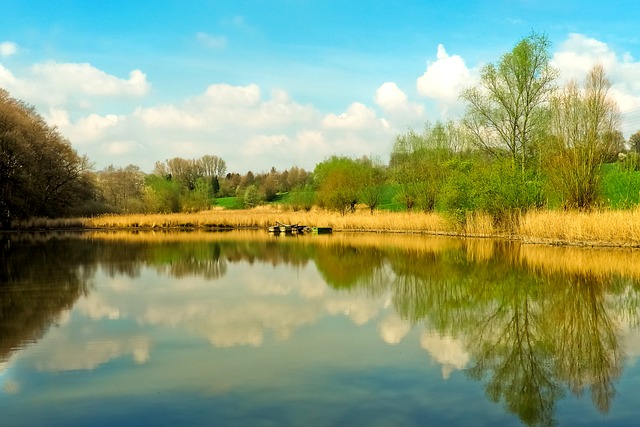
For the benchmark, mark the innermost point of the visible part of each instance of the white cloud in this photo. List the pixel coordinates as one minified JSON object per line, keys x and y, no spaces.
{"x":86,"y":79}
{"x":7,"y":79}
{"x":211,"y":41}
{"x":357,"y":117}
{"x":444,"y":79}
{"x":54,"y":85}
{"x":578,"y":54}
{"x":395,"y":103}
{"x":8,"y":48}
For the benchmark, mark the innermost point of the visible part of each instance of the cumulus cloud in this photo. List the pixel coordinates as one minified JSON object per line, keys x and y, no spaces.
{"x":8,"y":48}
{"x":72,"y":85}
{"x":395,"y":103}
{"x":444,"y":79}
{"x":358,"y":116}
{"x":86,"y":79}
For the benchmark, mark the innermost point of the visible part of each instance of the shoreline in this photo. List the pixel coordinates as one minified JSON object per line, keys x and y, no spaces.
{"x":603,"y":229}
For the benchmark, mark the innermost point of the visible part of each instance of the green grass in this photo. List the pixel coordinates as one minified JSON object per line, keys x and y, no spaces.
{"x":388,"y":203}
{"x":620,"y":188}
{"x":228,"y":203}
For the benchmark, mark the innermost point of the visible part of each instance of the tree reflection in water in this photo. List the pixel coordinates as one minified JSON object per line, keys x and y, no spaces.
{"x":533,"y":330}
{"x":531,"y":334}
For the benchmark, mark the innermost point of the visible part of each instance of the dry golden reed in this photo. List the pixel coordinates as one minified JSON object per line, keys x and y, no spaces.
{"x":263,"y":217}
{"x":598,"y":228}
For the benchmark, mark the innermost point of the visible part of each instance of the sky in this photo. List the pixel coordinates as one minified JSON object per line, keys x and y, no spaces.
{"x":285,"y":83}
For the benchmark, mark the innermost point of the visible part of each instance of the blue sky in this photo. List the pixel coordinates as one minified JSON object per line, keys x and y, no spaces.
{"x":285,"y":82}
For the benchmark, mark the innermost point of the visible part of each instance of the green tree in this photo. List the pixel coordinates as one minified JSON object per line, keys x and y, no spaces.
{"x":507,"y":112}
{"x":634,"y":142}
{"x":373,"y":177}
{"x":417,"y":165}
{"x":338,"y":183}
{"x":161,"y":194}
{"x":251,"y":197}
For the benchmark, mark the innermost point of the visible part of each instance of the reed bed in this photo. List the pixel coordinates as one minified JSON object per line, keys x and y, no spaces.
{"x":598,"y":228}
{"x":263,"y":217}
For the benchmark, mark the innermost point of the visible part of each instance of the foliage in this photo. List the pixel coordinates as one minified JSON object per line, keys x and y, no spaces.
{"x":417,"y":164}
{"x":339,"y":181}
{"x":199,"y":198}
{"x":122,"y":188}
{"x":506,"y":111}
{"x":475,"y":184}
{"x":251,"y":197}
{"x":634,"y":142}
{"x":40,"y":174}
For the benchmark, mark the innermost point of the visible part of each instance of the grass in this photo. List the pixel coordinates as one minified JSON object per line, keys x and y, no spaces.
{"x":228,"y":203}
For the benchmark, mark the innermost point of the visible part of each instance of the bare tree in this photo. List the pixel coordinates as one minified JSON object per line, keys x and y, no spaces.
{"x":583,"y":128}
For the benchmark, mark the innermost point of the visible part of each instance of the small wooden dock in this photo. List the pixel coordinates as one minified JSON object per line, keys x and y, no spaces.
{"x":296,"y":229}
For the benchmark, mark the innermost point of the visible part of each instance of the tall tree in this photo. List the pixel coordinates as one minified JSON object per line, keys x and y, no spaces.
{"x":584,"y":126}
{"x":634,"y":142}
{"x":40,"y":173}
{"x":506,"y":110}
{"x":122,"y":188}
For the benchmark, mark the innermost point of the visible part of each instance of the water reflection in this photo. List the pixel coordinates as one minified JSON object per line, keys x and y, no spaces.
{"x":532,"y":324}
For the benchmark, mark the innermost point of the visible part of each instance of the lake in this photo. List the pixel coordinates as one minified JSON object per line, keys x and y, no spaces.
{"x":242,"y":328}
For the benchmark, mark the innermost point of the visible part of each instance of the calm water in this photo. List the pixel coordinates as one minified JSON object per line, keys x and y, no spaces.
{"x":245,"y":329}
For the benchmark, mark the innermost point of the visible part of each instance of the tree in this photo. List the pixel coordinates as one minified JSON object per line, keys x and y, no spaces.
{"x":338,"y":184}
{"x":507,"y":110}
{"x":213,"y":166}
{"x":122,"y":188}
{"x":583,"y":128}
{"x":373,"y":176}
{"x":634,"y":142}
{"x":40,"y":174}
{"x":417,"y":165}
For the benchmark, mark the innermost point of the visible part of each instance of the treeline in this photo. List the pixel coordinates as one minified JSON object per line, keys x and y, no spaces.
{"x":188,"y":185}
{"x":524,"y":142}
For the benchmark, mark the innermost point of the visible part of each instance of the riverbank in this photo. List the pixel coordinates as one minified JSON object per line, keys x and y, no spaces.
{"x":597,"y":228}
